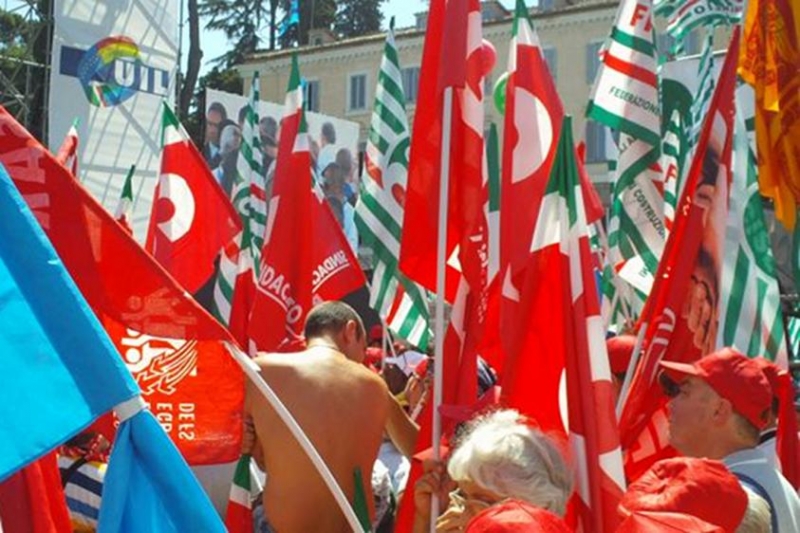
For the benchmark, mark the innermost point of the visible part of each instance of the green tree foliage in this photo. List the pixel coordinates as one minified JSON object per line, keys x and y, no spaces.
{"x":358,"y":17}
{"x":313,"y":14}
{"x":243,"y":22}
{"x":24,"y":32}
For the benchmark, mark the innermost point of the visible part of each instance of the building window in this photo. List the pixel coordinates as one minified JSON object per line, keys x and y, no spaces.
{"x":410,"y":77}
{"x":357,"y":92}
{"x":592,"y":61}
{"x":551,"y":58}
{"x":596,"y":142}
{"x":311,"y":96}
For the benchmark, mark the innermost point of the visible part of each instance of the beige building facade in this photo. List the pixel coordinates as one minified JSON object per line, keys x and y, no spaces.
{"x":341,"y":75}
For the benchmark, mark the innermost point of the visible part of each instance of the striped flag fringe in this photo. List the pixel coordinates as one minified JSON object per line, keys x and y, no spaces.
{"x":250,"y":167}
{"x":379,"y":212}
{"x":750,"y":308}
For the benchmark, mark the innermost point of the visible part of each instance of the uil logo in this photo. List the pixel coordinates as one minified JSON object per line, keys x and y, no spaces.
{"x":157,"y":363}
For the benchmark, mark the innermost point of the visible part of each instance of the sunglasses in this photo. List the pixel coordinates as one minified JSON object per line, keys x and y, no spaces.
{"x":670,"y":387}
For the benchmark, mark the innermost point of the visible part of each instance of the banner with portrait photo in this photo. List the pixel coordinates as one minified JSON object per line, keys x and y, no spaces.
{"x":113,"y":63}
{"x":333,"y":147}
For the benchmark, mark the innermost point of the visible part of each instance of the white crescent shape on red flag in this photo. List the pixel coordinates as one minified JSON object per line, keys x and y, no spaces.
{"x":176,"y":206}
{"x":533,"y":123}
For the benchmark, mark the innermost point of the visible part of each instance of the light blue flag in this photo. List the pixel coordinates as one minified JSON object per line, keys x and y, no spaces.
{"x":149,"y":487}
{"x":60,"y":370}
{"x":292,"y":19}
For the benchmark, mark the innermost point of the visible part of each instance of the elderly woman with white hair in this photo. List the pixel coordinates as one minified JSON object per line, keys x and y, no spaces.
{"x":507,"y":473}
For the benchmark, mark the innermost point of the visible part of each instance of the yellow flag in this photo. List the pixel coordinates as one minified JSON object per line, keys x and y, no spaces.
{"x":769,"y":60}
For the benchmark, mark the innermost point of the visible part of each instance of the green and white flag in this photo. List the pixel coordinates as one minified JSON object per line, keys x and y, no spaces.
{"x":250,"y":167}
{"x":702,"y":99}
{"x":625,"y":94}
{"x":686,"y":15}
{"x":239,"y":261}
{"x":379,"y":212}
{"x":750,"y":308}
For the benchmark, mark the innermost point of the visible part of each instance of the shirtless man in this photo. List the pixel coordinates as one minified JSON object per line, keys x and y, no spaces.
{"x":342,"y":407}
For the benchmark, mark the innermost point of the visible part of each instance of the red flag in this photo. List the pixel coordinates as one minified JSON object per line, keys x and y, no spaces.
{"x":171,"y":345}
{"x":67,"y":154}
{"x":468,"y":203}
{"x":565,"y":360}
{"x":680,"y":314}
{"x":533,"y":118}
{"x":32,"y":500}
{"x":192,"y":219}
{"x":306,"y":257}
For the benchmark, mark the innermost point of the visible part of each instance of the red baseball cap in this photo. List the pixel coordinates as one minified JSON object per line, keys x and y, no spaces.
{"x":660,"y":522}
{"x":689,"y":486}
{"x":735,"y":377}
{"x":620,"y":349}
{"x":516,"y":516}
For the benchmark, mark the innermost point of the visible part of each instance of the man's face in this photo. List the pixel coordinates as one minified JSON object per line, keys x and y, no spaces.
{"x":213,"y":120}
{"x":691,"y":414}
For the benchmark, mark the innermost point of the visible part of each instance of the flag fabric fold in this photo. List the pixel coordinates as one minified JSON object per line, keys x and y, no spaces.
{"x":239,"y":513}
{"x":191,"y":219}
{"x":168,"y":342}
{"x":768,"y":61}
{"x":149,"y":487}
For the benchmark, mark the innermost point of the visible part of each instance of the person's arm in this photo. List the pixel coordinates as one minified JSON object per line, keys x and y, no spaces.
{"x":401,"y":429}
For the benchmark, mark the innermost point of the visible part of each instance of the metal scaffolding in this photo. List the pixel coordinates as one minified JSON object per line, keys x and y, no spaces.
{"x":25,"y":74}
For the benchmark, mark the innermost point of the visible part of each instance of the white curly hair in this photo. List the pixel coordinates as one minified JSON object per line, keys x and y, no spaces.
{"x":500,"y":452}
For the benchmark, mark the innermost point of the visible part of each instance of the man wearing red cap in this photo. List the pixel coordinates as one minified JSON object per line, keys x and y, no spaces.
{"x":719,"y":406}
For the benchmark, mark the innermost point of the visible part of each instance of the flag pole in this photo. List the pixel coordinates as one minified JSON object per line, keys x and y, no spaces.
{"x":637,"y":350}
{"x":441,"y":258}
{"x":252,"y":372}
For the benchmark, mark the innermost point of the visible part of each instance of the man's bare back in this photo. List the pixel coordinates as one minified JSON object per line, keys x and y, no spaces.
{"x":342,"y":407}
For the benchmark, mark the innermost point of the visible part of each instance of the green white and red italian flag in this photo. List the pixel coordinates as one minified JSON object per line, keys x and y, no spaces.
{"x":124,"y":209}
{"x":306,"y":258}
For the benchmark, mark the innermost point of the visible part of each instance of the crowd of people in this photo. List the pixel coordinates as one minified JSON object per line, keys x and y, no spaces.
{"x":503,"y":474}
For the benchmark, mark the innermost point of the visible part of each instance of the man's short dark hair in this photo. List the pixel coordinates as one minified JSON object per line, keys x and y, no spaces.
{"x":219,"y":108}
{"x":330,"y":318}
{"x":243,"y":114}
{"x":329,"y":132}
